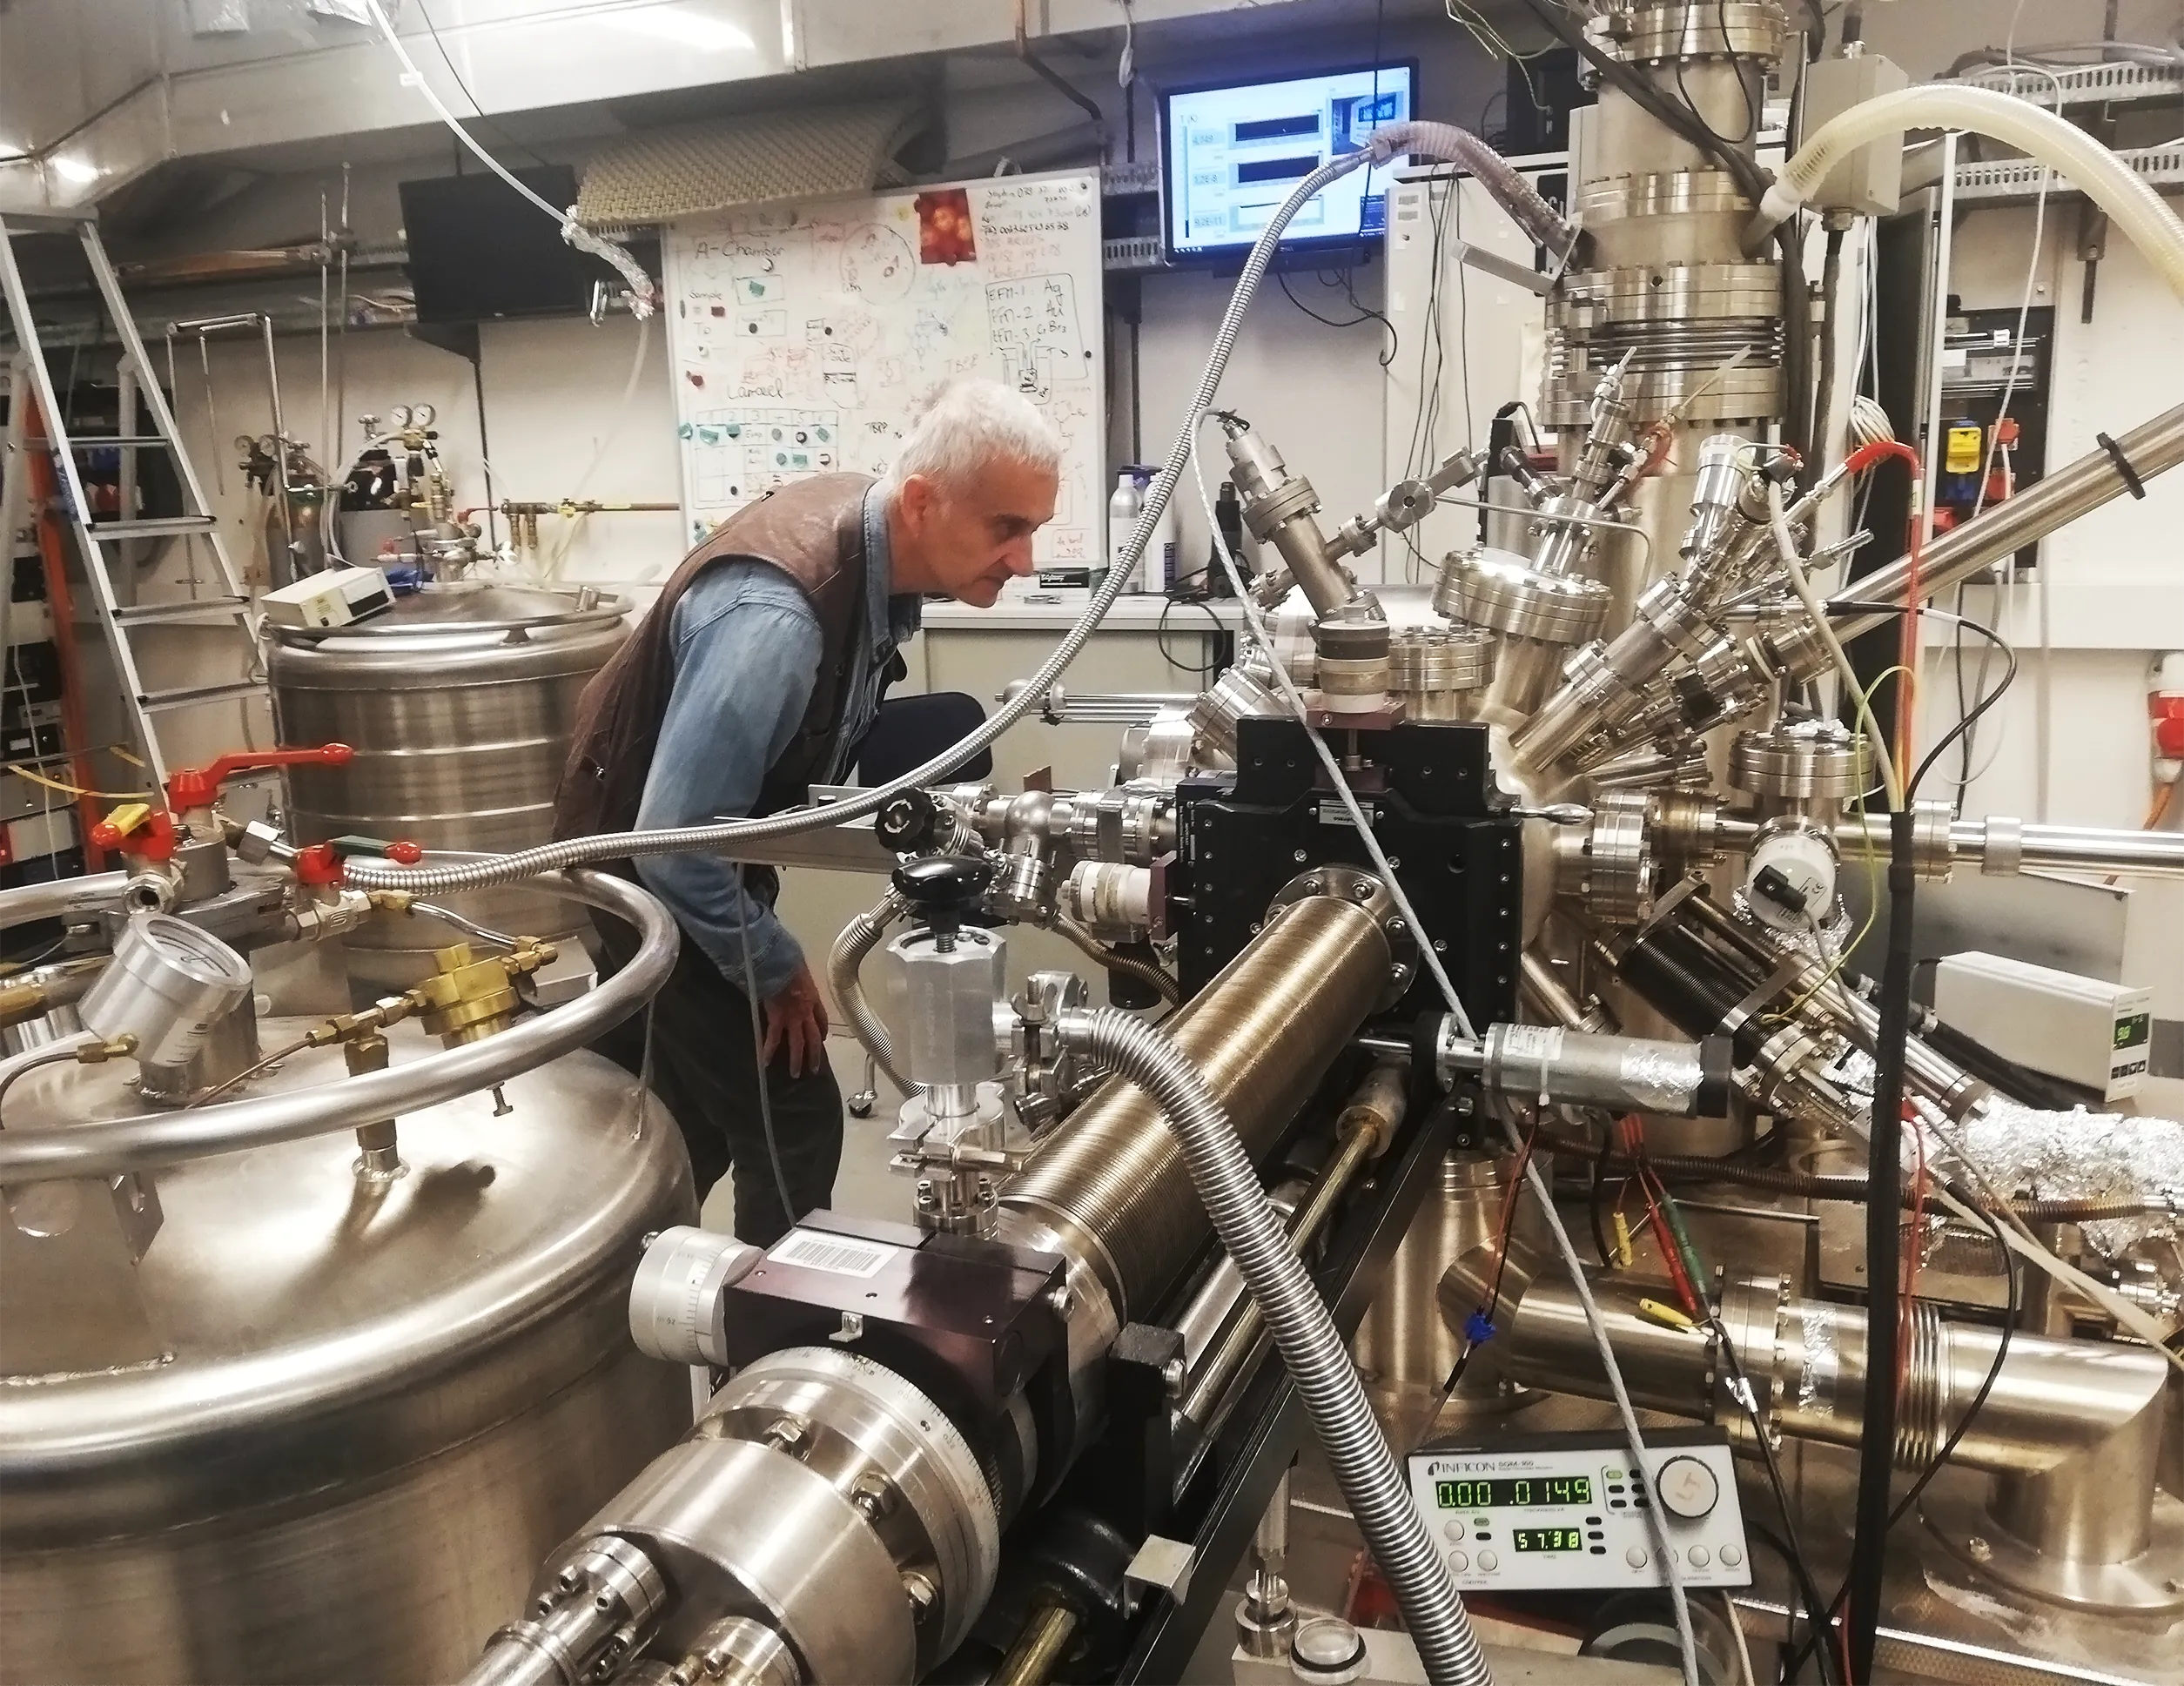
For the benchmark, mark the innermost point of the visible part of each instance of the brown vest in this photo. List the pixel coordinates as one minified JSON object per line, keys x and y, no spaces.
{"x":811,"y":530}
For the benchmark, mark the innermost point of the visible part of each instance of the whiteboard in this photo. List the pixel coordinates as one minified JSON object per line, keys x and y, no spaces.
{"x":802,"y":336}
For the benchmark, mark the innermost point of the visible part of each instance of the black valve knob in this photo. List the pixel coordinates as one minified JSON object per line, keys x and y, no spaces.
{"x":908,"y":823}
{"x":943,"y":890}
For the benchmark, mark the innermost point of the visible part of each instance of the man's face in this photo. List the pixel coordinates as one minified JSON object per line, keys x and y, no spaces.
{"x":966,"y":541}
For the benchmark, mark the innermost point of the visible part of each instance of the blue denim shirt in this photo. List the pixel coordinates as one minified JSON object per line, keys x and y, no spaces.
{"x":746,"y":652}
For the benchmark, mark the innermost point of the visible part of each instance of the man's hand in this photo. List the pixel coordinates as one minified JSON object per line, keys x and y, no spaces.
{"x":797,"y":1015}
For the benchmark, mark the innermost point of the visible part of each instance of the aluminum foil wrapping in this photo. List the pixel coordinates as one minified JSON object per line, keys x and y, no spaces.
{"x":2082,"y":1156}
{"x":1661,"y":1077}
{"x":1821,"y":1363}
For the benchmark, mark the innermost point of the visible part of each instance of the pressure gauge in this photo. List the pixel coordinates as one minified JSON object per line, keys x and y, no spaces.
{"x":422,"y":415}
{"x":398,"y":417}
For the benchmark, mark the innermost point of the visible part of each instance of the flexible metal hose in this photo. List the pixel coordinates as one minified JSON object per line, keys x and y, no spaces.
{"x":1311,"y":1349}
{"x":859,"y":938}
{"x":1147,"y":974}
{"x":1420,"y":138}
{"x":153,"y":1140}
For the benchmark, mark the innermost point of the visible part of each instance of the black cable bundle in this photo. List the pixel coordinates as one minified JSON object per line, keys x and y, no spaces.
{"x":1884,"y":1245}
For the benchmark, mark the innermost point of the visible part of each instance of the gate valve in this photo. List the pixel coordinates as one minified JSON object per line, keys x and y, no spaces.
{"x":199,"y":787}
{"x":944,"y":890}
{"x":138,"y":830}
{"x":326,"y":863}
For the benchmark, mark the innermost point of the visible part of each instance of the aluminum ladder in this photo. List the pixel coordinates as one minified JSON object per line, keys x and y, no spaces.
{"x":96,"y":536}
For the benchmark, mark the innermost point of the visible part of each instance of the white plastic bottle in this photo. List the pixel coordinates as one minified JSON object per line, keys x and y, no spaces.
{"x":1122,"y":518}
{"x":1161,"y":556}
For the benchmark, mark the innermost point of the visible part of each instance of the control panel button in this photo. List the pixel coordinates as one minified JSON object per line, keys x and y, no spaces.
{"x":1452,"y":1528}
{"x":1700,"y":1557}
{"x":1635,"y":1557}
{"x":1458,"y":1562}
{"x":1732,"y":1555}
{"x":1489,"y":1562}
{"x":1686,"y":1488}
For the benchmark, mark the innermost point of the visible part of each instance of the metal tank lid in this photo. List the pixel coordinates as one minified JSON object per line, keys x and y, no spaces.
{"x":471,"y":606}
{"x":318,"y":1327}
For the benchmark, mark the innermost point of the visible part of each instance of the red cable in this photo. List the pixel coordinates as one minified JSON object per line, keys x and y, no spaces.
{"x":1907,"y":644}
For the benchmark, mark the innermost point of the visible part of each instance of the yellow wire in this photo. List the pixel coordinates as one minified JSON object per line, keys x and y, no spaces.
{"x":22,"y":772}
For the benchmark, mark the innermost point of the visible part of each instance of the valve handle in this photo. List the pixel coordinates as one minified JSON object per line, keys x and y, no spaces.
{"x":137,"y":828}
{"x":909,"y":822}
{"x":944,"y":889}
{"x":199,"y":787}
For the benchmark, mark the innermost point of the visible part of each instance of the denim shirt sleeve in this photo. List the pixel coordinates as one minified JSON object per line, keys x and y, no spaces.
{"x":747,"y":653}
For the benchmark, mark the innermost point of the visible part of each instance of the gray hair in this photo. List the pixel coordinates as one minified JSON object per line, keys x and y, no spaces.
{"x":964,"y":424}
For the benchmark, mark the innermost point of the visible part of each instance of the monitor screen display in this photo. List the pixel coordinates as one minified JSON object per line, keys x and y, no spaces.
{"x":1230,"y":154}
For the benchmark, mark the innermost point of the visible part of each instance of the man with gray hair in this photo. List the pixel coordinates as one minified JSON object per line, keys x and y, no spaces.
{"x":756,"y":675}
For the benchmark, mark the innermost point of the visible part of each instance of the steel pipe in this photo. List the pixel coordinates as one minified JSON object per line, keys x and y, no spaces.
{"x":149,"y":1141}
{"x":1261,"y":1034}
{"x":1312,"y":1350}
{"x":2061,"y":497}
{"x":2060,"y":1412}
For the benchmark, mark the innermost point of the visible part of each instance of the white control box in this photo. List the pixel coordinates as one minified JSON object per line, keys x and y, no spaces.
{"x":1551,"y":1513}
{"x":334,"y":598}
{"x":2086,"y":1032}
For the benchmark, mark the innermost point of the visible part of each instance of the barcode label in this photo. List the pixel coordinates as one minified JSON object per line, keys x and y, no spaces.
{"x":834,"y":1253}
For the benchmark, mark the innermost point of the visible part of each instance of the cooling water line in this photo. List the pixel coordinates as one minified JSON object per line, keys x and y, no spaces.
{"x":2133,"y":206}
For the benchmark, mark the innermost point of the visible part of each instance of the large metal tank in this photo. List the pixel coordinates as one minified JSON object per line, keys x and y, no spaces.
{"x":458,"y":701}
{"x":327,"y":1426}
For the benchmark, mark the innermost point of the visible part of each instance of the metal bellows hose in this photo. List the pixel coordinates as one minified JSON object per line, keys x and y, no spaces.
{"x":1311,"y":1349}
{"x":859,"y":938}
{"x":1421,"y":139}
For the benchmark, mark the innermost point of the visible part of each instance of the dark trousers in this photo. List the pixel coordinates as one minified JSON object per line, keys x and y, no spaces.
{"x":705,"y":1069}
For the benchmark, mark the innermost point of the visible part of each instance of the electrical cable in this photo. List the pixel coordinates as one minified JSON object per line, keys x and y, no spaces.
{"x":1792,"y":565}
{"x":1634,"y":1436}
{"x":758,"y":1049}
{"x":644,"y":293}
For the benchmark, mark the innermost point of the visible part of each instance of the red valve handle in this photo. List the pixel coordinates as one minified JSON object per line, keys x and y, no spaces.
{"x":134,"y":829}
{"x":199,"y":787}
{"x":403,"y":852}
{"x":317,"y":864}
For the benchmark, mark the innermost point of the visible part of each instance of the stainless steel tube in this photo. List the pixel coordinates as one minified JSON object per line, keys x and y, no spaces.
{"x":60,"y":897}
{"x":2002,"y":846}
{"x":1311,"y":1349}
{"x":151,"y":1140}
{"x":2055,"y":1401}
{"x":844,"y":962}
{"x":1361,"y":1138}
{"x":1261,"y":1034}
{"x":2095,"y":479}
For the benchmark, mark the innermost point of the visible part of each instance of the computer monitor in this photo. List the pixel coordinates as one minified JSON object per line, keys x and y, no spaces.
{"x":1231,"y":151}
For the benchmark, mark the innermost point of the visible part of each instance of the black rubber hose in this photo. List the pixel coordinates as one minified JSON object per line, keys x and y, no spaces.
{"x":1884,"y":1245}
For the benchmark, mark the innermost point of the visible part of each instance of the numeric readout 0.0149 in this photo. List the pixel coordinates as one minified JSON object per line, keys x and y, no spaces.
{"x":1484,"y":1492}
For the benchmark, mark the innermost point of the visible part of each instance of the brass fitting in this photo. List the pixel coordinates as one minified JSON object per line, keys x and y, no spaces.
{"x":468,"y":1000}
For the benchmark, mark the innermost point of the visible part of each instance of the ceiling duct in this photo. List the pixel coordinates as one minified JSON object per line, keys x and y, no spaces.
{"x":756,"y":159}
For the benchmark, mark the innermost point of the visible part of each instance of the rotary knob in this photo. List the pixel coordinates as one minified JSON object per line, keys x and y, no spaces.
{"x":1686,"y":1489}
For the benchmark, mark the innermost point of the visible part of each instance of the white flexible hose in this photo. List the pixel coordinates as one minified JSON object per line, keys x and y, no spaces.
{"x":2131,"y":205}
{"x":1416,"y":137}
{"x":644,"y":293}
